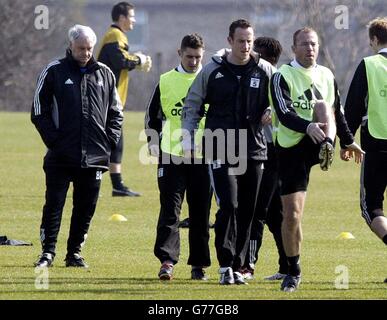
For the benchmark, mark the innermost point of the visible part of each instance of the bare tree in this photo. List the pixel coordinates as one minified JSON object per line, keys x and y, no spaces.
{"x":341,"y":46}
{"x":25,"y":49}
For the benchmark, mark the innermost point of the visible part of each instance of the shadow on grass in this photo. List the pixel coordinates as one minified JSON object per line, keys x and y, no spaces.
{"x":133,"y":288}
{"x":107,"y":281}
{"x":129,"y":291}
{"x":127,"y":286}
{"x":320,"y":285}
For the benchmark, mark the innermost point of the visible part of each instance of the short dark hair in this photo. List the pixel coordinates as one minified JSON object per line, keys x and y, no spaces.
{"x":270,"y":49}
{"x":304,"y":29}
{"x":121,"y":8}
{"x":193,"y":40}
{"x":241,"y":23}
{"x":378,"y":28}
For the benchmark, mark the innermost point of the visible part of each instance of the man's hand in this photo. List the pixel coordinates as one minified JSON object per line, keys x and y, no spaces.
{"x":266,"y":117}
{"x":147,"y":66}
{"x":315,"y":133}
{"x":350,"y":151}
{"x":145,"y":62}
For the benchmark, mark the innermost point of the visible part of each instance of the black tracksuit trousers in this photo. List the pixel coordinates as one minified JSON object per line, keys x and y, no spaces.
{"x":236,"y":196}
{"x":268,"y":211}
{"x":174,"y":180}
{"x":86,"y":184}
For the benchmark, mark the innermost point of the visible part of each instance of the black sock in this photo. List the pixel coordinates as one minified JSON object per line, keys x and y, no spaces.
{"x":294,"y":265}
{"x":116,"y":180}
{"x":385,"y":239}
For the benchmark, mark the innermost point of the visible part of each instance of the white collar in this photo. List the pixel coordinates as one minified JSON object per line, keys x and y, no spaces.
{"x":181,"y":69}
{"x":295,"y":64}
{"x":384,"y":50}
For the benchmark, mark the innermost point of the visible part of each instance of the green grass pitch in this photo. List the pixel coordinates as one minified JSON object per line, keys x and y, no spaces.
{"x":120,"y":254}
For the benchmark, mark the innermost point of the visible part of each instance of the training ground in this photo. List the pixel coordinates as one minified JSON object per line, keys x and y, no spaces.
{"x":120,"y":254}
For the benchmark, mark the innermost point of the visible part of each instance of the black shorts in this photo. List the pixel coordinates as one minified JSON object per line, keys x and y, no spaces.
{"x":294,"y":165}
{"x":373,"y":182}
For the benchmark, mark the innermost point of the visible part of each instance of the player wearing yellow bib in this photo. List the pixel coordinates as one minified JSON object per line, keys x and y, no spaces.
{"x":307,"y":105}
{"x":366,"y":107}
{"x":176,"y":177}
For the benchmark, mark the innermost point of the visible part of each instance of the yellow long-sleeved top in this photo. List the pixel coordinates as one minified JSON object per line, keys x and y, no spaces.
{"x":114,"y":52}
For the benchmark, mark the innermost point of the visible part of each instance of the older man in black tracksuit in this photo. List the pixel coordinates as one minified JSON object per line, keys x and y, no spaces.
{"x":235,"y":86}
{"x":78,"y":114}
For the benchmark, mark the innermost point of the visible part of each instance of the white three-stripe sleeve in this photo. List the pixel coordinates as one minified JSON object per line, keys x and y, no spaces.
{"x":278,"y":95}
{"x":37,"y":103}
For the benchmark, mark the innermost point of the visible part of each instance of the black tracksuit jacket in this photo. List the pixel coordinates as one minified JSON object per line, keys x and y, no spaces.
{"x":220,"y":87}
{"x":78,"y":115}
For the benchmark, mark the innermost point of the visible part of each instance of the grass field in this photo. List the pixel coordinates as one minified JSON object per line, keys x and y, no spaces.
{"x":120,"y":254}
